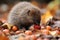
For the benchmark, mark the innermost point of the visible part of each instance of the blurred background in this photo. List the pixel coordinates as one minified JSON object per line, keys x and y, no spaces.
{"x":50,"y":18}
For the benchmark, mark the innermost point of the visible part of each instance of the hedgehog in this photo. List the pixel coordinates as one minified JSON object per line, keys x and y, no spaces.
{"x":24,"y":14}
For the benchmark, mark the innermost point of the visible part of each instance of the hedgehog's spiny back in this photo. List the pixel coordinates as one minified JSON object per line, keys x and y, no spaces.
{"x":18,"y":14}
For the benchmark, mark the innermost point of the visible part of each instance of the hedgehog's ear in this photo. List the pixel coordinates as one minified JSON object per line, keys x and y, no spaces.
{"x":28,"y":12}
{"x":31,"y":12}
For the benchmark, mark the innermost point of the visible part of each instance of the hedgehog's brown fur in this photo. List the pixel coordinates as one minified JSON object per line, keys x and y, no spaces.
{"x":24,"y":14}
